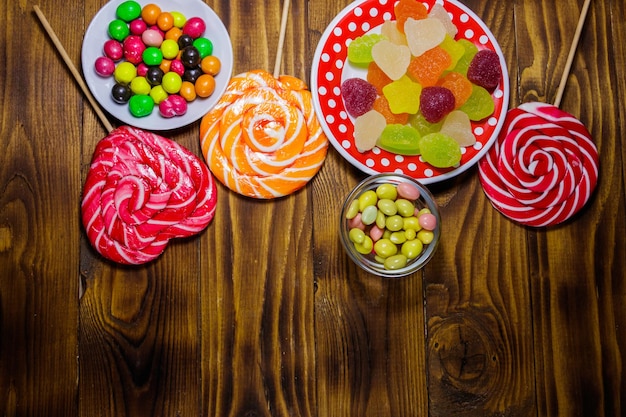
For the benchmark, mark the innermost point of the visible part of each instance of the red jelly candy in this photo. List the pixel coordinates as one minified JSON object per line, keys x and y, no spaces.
{"x":485,"y":70}
{"x":435,"y":103}
{"x":358,"y":96}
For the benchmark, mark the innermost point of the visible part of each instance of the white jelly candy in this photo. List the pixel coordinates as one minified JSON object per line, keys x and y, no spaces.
{"x":389,"y":29}
{"x":392,"y":59}
{"x":424,"y":34}
{"x":457,"y":125}
{"x":367,"y":130}
{"x":438,"y":12}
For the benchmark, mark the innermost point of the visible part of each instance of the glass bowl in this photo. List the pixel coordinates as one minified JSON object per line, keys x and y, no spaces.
{"x":382,"y":259}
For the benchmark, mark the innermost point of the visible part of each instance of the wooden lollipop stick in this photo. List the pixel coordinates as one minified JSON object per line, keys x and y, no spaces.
{"x":74,"y":71}
{"x":572,"y":50}
{"x":281,"y":38}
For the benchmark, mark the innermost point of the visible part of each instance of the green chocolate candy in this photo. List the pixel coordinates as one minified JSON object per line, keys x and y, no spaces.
{"x":128,"y":10}
{"x":141,"y":105}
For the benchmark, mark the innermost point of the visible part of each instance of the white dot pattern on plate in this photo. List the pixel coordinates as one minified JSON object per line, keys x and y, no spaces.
{"x":333,"y":67}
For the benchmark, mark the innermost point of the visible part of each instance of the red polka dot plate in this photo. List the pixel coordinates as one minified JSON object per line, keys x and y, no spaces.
{"x":330,"y":68}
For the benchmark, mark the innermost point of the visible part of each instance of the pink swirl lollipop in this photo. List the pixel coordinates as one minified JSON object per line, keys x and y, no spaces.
{"x":141,"y":191}
{"x":543,"y":167}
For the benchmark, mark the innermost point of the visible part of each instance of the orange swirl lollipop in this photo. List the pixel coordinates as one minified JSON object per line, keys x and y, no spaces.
{"x":263,"y":139}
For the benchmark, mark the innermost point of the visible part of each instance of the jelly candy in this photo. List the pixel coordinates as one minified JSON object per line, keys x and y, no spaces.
{"x":409,"y":9}
{"x":423,"y":126}
{"x":360,"y":49}
{"x":400,"y":139}
{"x":436,"y":102}
{"x":439,"y":12}
{"x":464,"y":62}
{"x":479,"y":105}
{"x":457,"y":125}
{"x":367,"y":129}
{"x":455,"y":49}
{"x":381,"y":105}
{"x":428,"y":67}
{"x":485,"y":70}
{"x":377,"y":77}
{"x":424,"y":34}
{"x":440,"y":150}
{"x":403,"y":95}
{"x":358,"y":95}
{"x":389,"y":29}
{"x":460,"y":86}
{"x":391,"y":58}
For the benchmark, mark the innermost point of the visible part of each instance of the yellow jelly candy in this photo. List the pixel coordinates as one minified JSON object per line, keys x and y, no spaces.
{"x":403,"y":95}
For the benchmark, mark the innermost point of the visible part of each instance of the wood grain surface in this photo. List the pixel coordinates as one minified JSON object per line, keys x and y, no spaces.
{"x":263,"y":314}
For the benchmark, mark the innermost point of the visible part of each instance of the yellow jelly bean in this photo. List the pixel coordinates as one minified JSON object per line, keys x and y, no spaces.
{"x":412,"y":248}
{"x":395,"y":262}
{"x":353,"y":210}
{"x":368,"y":198}
{"x":405,"y":207}
{"x":394,"y":223}
{"x":426,"y":236}
{"x":356,"y":235}
{"x":385,"y":248}
{"x":366,"y":247}
{"x":387,"y":191}
{"x":398,"y":237}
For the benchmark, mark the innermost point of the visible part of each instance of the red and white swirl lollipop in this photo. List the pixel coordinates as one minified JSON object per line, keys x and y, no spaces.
{"x":141,"y":191}
{"x":544,"y":166}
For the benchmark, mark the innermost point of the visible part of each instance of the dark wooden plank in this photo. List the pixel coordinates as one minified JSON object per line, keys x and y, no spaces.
{"x":39,"y":185}
{"x":257,"y":289}
{"x":479,"y":343}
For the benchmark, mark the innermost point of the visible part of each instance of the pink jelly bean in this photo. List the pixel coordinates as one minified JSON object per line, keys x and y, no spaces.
{"x":104,"y":66}
{"x":376,"y":233}
{"x":356,"y":222}
{"x":406,"y":190}
{"x":428,"y":221}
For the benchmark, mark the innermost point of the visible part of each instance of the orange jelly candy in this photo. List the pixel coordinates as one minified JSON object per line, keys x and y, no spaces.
{"x":428,"y":67}
{"x":460,"y":86}
{"x":377,"y":77}
{"x":406,"y":9}
{"x":381,"y":105}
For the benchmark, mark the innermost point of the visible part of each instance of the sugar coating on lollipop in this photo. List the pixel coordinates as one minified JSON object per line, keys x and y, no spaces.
{"x":141,"y":191}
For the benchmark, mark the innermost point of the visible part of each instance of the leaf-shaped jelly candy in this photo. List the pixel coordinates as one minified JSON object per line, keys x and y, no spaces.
{"x":479,"y":104}
{"x":400,"y":139}
{"x":440,"y":150}
{"x":360,"y":49}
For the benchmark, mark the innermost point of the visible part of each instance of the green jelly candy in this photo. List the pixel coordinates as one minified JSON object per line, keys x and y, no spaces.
{"x":403,"y":95}
{"x":470,"y":50}
{"x":423,"y":126}
{"x":479,"y":105}
{"x":400,"y":139}
{"x":455,"y":49}
{"x":440,"y":150}
{"x":360,"y":49}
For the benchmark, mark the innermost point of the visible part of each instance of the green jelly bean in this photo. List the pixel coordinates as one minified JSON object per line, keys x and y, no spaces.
{"x":356,"y":235}
{"x":387,"y":206}
{"x":353,"y":210}
{"x":368,"y":216}
{"x":405,"y":207}
{"x":412,"y":248}
{"x":398,"y":237}
{"x":381,"y":220}
{"x":368,"y":198}
{"x":394,"y":223}
{"x":385,"y":248}
{"x":366,"y":247}
{"x":387,"y":191}
{"x":426,"y":236}
{"x":411,"y":223}
{"x":395,"y":262}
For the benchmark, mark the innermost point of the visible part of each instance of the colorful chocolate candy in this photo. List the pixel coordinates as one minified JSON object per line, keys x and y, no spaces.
{"x":152,"y":47}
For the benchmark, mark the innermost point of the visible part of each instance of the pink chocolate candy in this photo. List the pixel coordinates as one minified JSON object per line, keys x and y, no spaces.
{"x":104,"y":66}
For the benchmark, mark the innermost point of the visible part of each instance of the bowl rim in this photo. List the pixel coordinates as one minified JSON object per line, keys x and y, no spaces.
{"x":371,"y":266}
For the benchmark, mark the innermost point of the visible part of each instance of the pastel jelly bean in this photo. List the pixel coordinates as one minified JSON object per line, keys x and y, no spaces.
{"x":402,"y":228}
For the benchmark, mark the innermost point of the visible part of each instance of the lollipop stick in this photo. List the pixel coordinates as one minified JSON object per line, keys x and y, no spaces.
{"x":281,"y":38}
{"x":572,"y":50}
{"x":72,"y":68}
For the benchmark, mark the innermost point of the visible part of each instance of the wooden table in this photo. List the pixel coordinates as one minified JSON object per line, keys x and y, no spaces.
{"x":263,"y":314}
